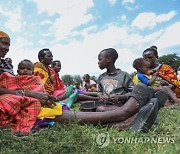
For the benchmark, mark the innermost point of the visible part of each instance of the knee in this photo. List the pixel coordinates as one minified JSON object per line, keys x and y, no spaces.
{"x":164,"y":88}
{"x":131,"y":107}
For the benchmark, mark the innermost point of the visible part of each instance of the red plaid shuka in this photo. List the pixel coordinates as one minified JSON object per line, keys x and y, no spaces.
{"x":19,"y":112}
{"x":59,"y":86}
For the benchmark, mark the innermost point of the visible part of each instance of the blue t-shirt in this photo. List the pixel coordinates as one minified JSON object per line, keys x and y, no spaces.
{"x":143,"y":78}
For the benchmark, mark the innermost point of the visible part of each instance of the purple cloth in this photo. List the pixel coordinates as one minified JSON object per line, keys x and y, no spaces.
{"x":81,"y":92}
{"x":65,"y":107}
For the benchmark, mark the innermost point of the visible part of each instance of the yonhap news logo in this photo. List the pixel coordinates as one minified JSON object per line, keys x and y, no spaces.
{"x":104,"y":139}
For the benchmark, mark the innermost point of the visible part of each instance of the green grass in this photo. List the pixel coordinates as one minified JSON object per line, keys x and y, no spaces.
{"x":73,"y":138}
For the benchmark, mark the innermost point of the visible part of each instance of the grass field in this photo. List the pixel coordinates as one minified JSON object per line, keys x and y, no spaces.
{"x":73,"y":138}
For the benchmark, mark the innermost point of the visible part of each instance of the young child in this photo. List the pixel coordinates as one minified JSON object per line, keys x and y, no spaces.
{"x":56,"y":65}
{"x":77,"y":86}
{"x":59,"y":86}
{"x":88,"y":84}
{"x":25,"y":67}
{"x":114,"y":85}
{"x":142,"y":67}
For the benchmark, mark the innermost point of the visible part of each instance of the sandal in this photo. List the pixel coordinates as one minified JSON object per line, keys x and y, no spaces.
{"x":146,"y":117}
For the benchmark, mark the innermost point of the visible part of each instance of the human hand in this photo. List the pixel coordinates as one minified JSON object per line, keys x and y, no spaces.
{"x":103,"y":97}
{"x":150,"y":72}
{"x":48,"y":101}
{"x":45,"y":99}
{"x":113,"y":98}
{"x":155,"y":75}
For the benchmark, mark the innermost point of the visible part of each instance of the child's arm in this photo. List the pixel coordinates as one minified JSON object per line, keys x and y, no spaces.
{"x":153,"y":79}
{"x":8,"y":91}
{"x":144,"y":79}
{"x":103,"y":97}
{"x":44,"y":99}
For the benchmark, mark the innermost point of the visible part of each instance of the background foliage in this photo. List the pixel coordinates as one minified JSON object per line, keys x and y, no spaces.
{"x":171,"y":59}
{"x":70,"y":79}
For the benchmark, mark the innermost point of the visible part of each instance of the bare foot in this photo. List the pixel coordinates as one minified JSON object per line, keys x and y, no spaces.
{"x":177,"y":102}
{"x":122,"y":125}
{"x":170,"y":106}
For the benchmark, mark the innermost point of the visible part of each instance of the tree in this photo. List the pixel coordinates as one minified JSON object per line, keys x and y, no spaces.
{"x":171,"y":59}
{"x":94,"y":78}
{"x":67,"y":79}
{"x":70,"y":80}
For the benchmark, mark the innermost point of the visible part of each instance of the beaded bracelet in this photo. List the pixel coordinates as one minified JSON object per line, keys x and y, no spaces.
{"x":20,"y":93}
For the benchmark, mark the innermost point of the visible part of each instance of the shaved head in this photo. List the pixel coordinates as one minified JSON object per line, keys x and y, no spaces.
{"x":110,"y":52}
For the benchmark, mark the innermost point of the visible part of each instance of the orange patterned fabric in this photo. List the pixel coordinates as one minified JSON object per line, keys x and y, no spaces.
{"x":167,"y":73}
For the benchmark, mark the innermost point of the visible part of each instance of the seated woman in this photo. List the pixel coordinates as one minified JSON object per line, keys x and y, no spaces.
{"x":24,"y":117}
{"x":142,"y":67}
{"x":166,"y":74}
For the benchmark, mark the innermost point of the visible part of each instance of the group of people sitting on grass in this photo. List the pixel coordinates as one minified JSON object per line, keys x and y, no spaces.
{"x":36,"y":97}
